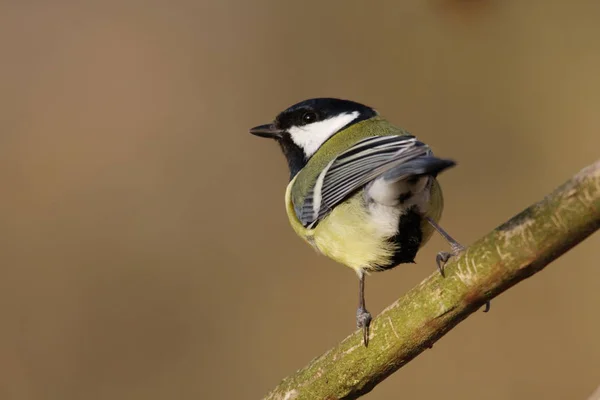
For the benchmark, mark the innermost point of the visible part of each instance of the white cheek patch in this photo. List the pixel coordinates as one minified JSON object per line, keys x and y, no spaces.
{"x":310,"y":137}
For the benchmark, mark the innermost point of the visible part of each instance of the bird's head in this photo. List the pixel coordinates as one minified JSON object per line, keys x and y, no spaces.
{"x":303,"y":128}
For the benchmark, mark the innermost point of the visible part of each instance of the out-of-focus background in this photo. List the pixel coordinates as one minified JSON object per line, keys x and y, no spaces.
{"x":144,"y":248}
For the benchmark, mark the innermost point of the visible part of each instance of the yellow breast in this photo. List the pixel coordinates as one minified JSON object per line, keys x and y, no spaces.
{"x":350,"y":236}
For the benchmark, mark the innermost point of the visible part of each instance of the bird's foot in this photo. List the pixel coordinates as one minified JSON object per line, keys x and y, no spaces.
{"x":363,"y":320}
{"x":488,"y":305}
{"x":442,"y":258}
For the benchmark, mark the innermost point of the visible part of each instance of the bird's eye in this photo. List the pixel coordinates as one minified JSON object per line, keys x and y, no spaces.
{"x":309,"y":117}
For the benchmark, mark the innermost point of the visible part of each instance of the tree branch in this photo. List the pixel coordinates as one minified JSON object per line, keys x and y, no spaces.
{"x":595,"y":395}
{"x":517,"y":249}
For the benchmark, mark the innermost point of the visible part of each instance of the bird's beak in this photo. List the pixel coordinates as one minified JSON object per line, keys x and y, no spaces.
{"x":268,"y":131}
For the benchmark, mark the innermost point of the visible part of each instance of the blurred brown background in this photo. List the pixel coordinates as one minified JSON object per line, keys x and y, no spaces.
{"x":144,"y":247}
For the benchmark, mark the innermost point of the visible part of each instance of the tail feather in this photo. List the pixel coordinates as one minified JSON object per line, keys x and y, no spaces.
{"x":427,"y":165}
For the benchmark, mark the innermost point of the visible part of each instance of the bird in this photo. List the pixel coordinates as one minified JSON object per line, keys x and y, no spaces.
{"x":361,"y":191}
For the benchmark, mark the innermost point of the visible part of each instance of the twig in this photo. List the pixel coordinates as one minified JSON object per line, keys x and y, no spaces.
{"x":517,"y":249}
{"x":595,"y":395}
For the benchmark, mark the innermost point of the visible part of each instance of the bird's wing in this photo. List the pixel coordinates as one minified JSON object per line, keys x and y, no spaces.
{"x":354,"y":168}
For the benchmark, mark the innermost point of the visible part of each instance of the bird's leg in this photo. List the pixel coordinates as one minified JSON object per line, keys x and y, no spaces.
{"x":363,"y":317}
{"x":442,"y":257}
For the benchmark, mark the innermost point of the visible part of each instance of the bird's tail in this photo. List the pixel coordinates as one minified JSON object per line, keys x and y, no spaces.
{"x":426,"y":165}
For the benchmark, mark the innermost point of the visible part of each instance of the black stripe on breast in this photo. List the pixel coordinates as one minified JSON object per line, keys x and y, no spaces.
{"x":408,"y":239}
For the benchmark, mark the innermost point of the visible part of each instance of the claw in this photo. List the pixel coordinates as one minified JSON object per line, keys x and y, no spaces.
{"x":363,"y":320}
{"x":441,"y":259}
{"x":487,"y":306}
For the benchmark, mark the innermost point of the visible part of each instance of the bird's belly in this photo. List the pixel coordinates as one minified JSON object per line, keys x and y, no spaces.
{"x":360,"y":240}
{"x":371,"y":241}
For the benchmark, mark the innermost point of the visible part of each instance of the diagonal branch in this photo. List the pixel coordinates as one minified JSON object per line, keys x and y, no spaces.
{"x":517,"y":249}
{"x":595,"y":395}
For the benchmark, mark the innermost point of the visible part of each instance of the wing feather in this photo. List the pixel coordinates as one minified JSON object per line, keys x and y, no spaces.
{"x":354,"y":168}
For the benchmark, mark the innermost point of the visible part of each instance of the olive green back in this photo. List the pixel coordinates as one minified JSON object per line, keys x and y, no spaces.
{"x":333,"y":147}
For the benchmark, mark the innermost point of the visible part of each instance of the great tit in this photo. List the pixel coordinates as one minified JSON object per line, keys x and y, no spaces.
{"x":362,"y":191}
